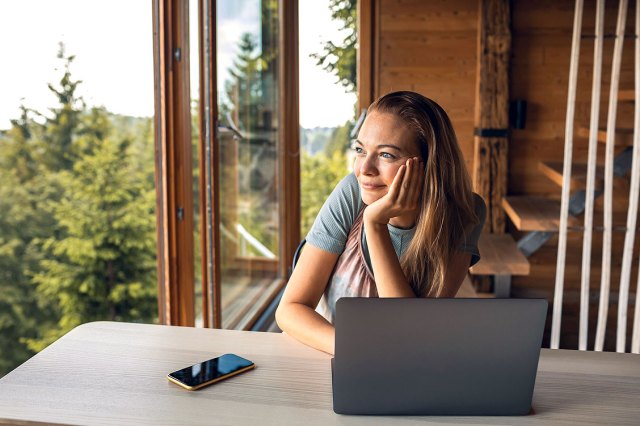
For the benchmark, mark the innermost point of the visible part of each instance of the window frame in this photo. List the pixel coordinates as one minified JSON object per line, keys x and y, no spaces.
{"x":176,"y":292}
{"x":174,"y":193}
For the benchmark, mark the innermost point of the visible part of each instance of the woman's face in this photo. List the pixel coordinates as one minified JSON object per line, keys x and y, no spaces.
{"x":384,"y":143}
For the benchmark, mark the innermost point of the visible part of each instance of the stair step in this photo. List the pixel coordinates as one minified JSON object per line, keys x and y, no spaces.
{"x":535,"y":213}
{"x":623,"y":137}
{"x":626,"y":95}
{"x":499,"y":255}
{"x":553,"y":170}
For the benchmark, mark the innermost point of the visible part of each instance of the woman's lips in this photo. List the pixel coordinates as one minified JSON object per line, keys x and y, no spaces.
{"x":370,"y":187}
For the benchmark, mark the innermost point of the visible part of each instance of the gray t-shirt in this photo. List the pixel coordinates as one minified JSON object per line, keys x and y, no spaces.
{"x":336,"y":217}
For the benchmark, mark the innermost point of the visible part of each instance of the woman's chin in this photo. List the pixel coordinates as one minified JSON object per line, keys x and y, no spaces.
{"x":369,"y":199}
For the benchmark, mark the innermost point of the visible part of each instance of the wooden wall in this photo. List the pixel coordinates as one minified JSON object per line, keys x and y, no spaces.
{"x":430,"y":47}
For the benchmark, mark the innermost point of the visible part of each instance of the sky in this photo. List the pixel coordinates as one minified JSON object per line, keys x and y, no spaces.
{"x":113,"y":46}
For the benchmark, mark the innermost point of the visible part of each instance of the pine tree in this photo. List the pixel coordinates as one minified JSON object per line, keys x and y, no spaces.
{"x":23,"y":181}
{"x":104,"y":266}
{"x":77,"y":229}
{"x":58,"y":150}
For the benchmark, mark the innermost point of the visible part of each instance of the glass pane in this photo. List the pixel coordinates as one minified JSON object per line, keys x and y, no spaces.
{"x":77,"y":195}
{"x":247,"y":63}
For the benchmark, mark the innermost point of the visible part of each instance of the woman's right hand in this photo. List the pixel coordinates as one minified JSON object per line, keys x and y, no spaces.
{"x":403,"y":198}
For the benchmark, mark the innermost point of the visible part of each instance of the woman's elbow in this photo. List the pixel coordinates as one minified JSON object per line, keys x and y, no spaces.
{"x":281,"y":313}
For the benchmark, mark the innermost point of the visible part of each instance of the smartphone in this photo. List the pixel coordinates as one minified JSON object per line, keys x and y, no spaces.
{"x":211,"y":371}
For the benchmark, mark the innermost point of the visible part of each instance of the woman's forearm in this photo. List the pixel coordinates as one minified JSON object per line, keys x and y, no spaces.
{"x":389,"y":277}
{"x":307,"y":326}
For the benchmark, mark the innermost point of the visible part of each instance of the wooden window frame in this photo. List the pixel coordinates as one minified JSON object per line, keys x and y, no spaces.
{"x":173,"y":160}
{"x":367,"y":57}
{"x":174,"y":193}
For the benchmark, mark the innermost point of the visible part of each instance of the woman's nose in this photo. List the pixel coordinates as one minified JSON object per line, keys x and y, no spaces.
{"x":368,"y":166}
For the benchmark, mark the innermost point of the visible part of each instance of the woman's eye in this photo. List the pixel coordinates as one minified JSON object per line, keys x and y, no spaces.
{"x":358,"y":150}
{"x":387,"y":156}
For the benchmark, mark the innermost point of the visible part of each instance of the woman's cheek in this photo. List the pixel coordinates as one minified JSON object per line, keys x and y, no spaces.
{"x":388,"y":172}
{"x":357,"y":164}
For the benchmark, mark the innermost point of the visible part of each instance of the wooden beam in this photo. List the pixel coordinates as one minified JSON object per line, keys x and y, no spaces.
{"x":173,"y":163}
{"x":209,"y":160}
{"x":365,"y":54}
{"x":289,"y":135}
{"x":492,"y":109}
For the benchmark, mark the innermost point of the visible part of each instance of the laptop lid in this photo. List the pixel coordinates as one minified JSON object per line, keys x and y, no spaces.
{"x":436,"y":356}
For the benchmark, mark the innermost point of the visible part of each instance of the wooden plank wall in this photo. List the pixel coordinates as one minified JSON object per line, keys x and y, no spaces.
{"x":430,"y":47}
{"x":540,"y":63}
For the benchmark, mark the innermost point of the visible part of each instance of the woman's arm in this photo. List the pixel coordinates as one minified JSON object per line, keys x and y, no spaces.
{"x":454,"y":275}
{"x":389,"y":277}
{"x":296,"y":313}
{"x":401,"y":203}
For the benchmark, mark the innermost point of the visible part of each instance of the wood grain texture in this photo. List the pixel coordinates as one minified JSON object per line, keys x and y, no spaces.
{"x":364,"y":53}
{"x":499,"y":255}
{"x":173,"y":164}
{"x":534,"y":213}
{"x":115,"y":373}
{"x":578,"y":179}
{"x":492,"y":108}
{"x":289,"y":135}
{"x":429,"y":47}
{"x":209,"y":155}
{"x":623,"y":135}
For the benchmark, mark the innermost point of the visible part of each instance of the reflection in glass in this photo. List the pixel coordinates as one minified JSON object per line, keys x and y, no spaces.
{"x":247,"y":61}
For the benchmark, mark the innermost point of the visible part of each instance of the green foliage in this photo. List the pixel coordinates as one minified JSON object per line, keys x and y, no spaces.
{"x":318,"y":176}
{"x":57,"y":149}
{"x":104,"y":266}
{"x":340,"y":59}
{"x":77,"y":229}
{"x":340,"y":139}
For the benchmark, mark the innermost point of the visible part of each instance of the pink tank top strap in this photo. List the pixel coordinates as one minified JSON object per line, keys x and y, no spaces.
{"x":351,"y":276}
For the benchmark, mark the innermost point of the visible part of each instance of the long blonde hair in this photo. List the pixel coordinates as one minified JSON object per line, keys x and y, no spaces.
{"x":446,"y":205}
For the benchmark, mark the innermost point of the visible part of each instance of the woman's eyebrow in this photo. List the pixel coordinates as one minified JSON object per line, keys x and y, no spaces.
{"x":381,"y":145}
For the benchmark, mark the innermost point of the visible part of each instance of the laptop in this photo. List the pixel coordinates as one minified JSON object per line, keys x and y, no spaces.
{"x":436,"y":356}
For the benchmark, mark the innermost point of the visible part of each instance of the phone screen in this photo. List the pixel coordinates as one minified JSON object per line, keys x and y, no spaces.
{"x":211,"y":371}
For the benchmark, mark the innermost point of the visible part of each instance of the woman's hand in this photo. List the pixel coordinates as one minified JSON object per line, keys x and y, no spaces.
{"x":403,"y":197}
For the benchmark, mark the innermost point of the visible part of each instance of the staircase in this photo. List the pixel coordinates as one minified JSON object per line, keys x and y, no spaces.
{"x":539,"y":217}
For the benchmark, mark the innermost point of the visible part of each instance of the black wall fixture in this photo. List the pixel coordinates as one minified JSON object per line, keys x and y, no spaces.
{"x":518,"y":113}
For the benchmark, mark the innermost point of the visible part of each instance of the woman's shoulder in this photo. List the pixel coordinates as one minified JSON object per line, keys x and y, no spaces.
{"x":347,"y":192}
{"x":331,"y":228}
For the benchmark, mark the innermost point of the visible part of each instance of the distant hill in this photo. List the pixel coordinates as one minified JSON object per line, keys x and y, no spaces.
{"x":315,"y":140}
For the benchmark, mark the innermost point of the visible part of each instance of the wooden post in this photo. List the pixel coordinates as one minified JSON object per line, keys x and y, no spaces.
{"x":289,"y":135}
{"x":492,"y":109}
{"x":591,"y":177}
{"x":629,"y":239}
{"x":566,"y":176}
{"x":209,"y":159}
{"x":365,"y":53}
{"x":173,"y":177}
{"x":605,"y":282}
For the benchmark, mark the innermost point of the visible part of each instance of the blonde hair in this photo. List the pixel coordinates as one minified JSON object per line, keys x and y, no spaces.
{"x":446,"y":205}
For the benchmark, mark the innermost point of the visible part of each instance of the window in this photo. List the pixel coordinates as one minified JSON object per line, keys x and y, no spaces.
{"x":249,"y":200}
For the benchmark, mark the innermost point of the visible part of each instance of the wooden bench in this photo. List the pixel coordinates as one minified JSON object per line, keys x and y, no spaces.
{"x":500,"y":257}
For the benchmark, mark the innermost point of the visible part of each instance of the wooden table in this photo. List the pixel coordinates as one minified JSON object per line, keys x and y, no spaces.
{"x":114,"y":373}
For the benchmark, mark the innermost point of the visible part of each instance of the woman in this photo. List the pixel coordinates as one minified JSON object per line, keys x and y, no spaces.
{"x":405,"y":223}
